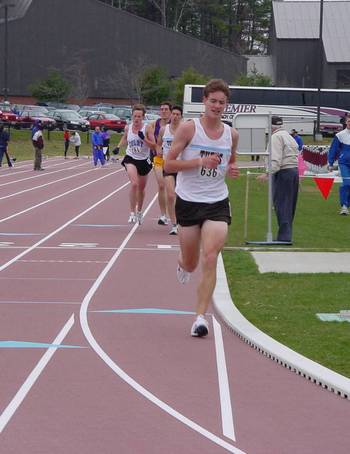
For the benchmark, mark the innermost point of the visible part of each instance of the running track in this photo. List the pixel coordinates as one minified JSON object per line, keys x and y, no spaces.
{"x":95,"y":352}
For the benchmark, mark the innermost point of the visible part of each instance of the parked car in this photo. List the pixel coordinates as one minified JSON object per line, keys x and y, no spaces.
{"x":19,"y":108}
{"x":123,"y":112}
{"x":29,"y":117}
{"x":70,"y":119}
{"x":87,"y":112}
{"x":7,"y":116}
{"x":330,"y":125}
{"x":150,"y":117}
{"x":110,"y":121}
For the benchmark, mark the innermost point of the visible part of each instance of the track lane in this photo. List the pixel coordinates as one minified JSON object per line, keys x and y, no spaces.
{"x":261,"y":390}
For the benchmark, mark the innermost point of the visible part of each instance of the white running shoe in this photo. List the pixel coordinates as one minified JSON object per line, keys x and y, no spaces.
{"x":132,"y":218}
{"x":200,"y":327}
{"x":344,"y":210}
{"x":173,"y":230}
{"x":163,"y":220}
{"x":183,"y":276}
{"x":139,"y":217}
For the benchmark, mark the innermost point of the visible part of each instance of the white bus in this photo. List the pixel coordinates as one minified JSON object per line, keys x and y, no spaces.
{"x":295,"y":105}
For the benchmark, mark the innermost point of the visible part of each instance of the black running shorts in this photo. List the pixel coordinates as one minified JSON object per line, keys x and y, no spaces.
{"x":143,"y":166}
{"x":196,"y":213}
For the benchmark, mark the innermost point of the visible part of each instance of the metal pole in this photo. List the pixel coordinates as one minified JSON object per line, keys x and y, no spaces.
{"x":269,"y":168}
{"x":245,"y":234}
{"x":318,"y":135}
{"x":5,"y":51}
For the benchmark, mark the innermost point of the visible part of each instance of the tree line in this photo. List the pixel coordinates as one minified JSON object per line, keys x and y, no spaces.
{"x":240,"y":26}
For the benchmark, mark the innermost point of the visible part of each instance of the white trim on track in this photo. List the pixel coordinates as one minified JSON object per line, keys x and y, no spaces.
{"x":59,"y":196}
{"x":33,"y":376}
{"x":120,"y":372}
{"x":33,"y":188}
{"x":270,"y":347}
{"x":225,"y":399}
{"x":31,"y":248}
{"x":42,"y":175}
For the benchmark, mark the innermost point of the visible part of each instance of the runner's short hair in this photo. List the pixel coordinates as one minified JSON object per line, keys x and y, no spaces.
{"x":177,"y":108}
{"x":216,"y":85}
{"x":166,"y":103}
{"x":139,"y":107}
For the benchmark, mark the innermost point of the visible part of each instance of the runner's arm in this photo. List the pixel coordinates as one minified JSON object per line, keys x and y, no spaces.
{"x":159,"y":148}
{"x":182,"y":138}
{"x":232,"y":169}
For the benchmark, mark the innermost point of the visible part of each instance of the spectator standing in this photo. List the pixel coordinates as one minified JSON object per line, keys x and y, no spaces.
{"x":285,"y":178}
{"x":4,"y":140}
{"x":66,"y":137}
{"x":97,"y":147}
{"x":298,"y":139}
{"x":106,"y":141}
{"x":340,"y":151}
{"x":76,"y":141}
{"x":203,"y":153}
{"x":38,"y":144}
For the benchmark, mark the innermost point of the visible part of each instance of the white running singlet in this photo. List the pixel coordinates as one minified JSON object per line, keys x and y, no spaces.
{"x":167,"y":139}
{"x":201,"y":184}
{"x":137,"y":148}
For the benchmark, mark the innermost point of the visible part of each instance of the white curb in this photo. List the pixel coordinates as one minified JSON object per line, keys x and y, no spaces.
{"x":268,"y":346}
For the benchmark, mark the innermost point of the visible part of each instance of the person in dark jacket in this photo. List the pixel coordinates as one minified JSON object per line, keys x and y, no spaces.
{"x":4,"y":140}
{"x":38,"y":144}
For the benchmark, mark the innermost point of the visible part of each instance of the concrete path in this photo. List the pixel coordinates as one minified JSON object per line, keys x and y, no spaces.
{"x":302,"y":262}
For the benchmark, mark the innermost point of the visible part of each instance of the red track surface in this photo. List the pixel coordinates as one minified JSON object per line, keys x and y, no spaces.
{"x":65,"y":257}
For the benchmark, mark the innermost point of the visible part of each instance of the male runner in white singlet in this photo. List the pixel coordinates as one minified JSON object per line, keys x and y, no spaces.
{"x":206,"y":149}
{"x":165,"y":139}
{"x":139,"y":139}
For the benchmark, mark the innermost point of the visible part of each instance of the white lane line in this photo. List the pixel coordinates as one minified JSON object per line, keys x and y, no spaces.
{"x":40,"y":302}
{"x":79,"y":245}
{"x":63,"y":261}
{"x":120,"y":372}
{"x":31,"y":248}
{"x":21,"y":278}
{"x":58,"y":196}
{"x":14,"y":172}
{"x":225,"y":398}
{"x":45,"y":184}
{"x":43,"y":174}
{"x":33,"y":376}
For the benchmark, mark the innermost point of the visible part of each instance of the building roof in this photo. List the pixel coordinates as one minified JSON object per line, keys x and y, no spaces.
{"x":301,"y":20}
{"x":16,"y":9}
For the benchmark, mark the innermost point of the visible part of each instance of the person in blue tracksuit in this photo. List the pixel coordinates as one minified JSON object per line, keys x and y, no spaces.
{"x":298,"y":139}
{"x":340,"y":151}
{"x":97,"y":147}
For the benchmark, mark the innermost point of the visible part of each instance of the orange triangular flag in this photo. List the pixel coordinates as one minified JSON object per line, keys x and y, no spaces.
{"x":324,"y":185}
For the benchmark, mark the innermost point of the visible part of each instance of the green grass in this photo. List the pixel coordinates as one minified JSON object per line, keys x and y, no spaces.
{"x":20,"y":144}
{"x":285,"y":305}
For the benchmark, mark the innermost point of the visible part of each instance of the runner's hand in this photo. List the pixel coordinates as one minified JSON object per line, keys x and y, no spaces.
{"x":211,"y":161}
{"x":116,"y":150}
{"x":232,"y":171}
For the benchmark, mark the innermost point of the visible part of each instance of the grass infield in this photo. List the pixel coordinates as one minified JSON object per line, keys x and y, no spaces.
{"x":284,"y":305}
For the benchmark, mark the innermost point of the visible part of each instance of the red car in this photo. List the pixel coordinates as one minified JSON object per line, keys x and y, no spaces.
{"x":27,"y":118}
{"x":6,"y":115}
{"x":110,"y":121}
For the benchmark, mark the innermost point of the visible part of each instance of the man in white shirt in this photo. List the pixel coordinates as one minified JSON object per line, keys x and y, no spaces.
{"x":285,"y":178}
